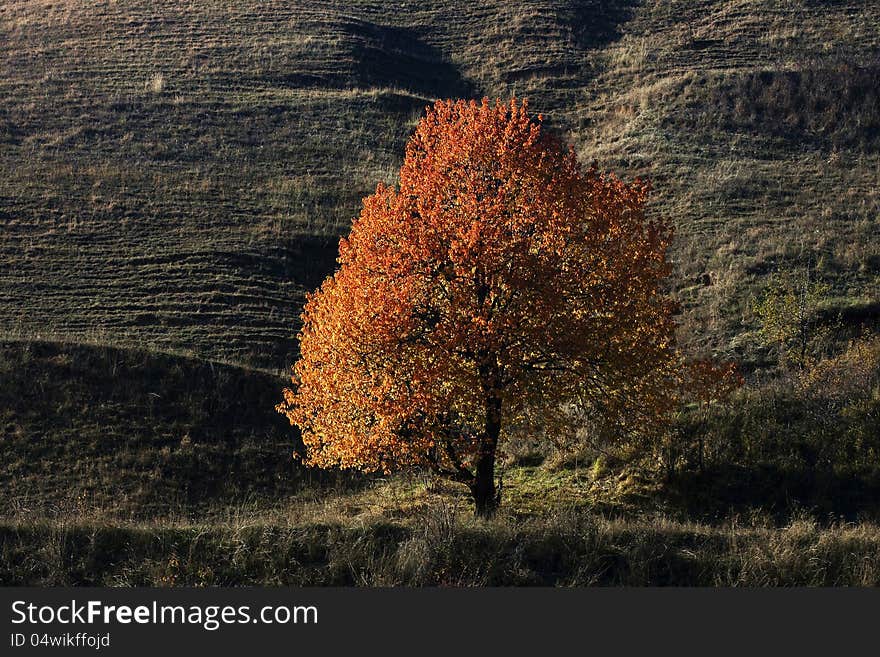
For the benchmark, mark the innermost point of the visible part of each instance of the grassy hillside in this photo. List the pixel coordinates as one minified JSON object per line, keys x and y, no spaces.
{"x":168,"y":170}
{"x":759,"y":123}
{"x":128,"y":468}
{"x":129,"y":434}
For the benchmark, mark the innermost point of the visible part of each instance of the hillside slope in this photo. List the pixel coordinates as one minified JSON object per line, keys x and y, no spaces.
{"x":128,"y":434}
{"x":759,"y":124}
{"x":167,"y":170}
{"x":170,"y":173}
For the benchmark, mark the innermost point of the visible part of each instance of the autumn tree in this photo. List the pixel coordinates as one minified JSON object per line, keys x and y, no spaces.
{"x":498,"y":283}
{"x":705,"y":382}
{"x":790,"y":320}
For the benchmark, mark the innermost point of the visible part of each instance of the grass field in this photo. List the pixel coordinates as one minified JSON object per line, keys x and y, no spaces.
{"x":108,"y":482}
{"x":174,"y":177}
{"x":439,"y":548}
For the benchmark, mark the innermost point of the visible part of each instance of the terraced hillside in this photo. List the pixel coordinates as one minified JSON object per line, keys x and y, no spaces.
{"x":173,"y":174}
{"x":170,"y":170}
{"x":760,"y":126}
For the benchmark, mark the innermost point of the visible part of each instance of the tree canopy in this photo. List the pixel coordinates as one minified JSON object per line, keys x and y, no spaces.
{"x":499,"y":285}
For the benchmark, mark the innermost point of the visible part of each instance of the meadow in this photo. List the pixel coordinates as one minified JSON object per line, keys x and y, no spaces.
{"x":107,"y":482}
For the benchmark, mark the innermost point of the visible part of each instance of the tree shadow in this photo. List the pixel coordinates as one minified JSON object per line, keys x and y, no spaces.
{"x":779,"y":493}
{"x":597,"y":23}
{"x":397,"y":58}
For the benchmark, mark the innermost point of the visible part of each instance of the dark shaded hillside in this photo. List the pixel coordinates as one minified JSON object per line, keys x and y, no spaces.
{"x":130,"y":434}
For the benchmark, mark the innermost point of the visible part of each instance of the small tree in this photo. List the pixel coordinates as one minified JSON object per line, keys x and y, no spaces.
{"x":499,"y":282}
{"x":841,"y":399}
{"x":789,"y":314}
{"x":707,"y":382}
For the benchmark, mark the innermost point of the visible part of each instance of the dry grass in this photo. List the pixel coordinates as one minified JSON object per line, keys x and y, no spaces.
{"x":752,"y":121}
{"x":125,"y":467}
{"x":164,"y":174}
{"x":439,"y":546}
{"x":173,"y":176}
{"x":166,"y":168}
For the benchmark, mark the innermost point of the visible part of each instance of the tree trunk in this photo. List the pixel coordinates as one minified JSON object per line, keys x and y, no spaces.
{"x":483,"y":490}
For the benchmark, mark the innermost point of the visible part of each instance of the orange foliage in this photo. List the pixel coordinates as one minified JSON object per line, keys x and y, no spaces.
{"x":707,"y":381}
{"x":499,"y":281}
